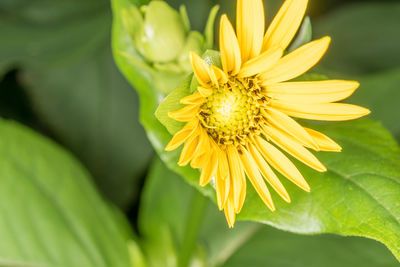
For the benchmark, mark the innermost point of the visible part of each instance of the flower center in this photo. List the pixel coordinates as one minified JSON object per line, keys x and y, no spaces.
{"x":232,"y":112}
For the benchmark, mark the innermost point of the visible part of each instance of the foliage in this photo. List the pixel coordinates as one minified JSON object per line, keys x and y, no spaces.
{"x":166,"y":208}
{"x":52,"y":213}
{"x":75,"y":87}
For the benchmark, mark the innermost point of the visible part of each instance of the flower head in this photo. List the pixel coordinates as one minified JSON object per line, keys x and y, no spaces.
{"x":241,"y":113}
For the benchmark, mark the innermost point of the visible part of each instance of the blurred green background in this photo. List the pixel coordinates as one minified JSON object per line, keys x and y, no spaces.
{"x":58,"y":77}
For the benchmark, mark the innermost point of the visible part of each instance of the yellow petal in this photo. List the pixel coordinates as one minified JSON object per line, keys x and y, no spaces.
{"x":293,"y":148}
{"x":213,"y":77}
{"x":181,"y":136}
{"x":229,"y":47}
{"x":223,"y":163}
{"x":285,"y":24}
{"x":290,"y":126}
{"x":203,"y":151}
{"x":323,"y":141}
{"x":222,"y":189}
{"x":205,"y":92}
{"x":296,"y":63}
{"x":261,"y":63}
{"x":230,"y":213}
{"x":268,"y":174}
{"x":188,"y":151}
{"x":209,"y":171}
{"x":242,"y":194}
{"x":250,"y":26}
{"x":221,"y":76}
{"x":199,"y":161}
{"x":185,"y":114}
{"x":324,"y":112}
{"x":195,"y":98}
{"x":236,"y":172}
{"x":201,"y":69}
{"x":281,"y":163}
{"x":255,"y":178}
{"x":312,"y":92}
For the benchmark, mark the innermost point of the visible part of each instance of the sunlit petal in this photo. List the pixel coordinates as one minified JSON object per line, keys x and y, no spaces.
{"x":261,"y":63}
{"x":285,"y":24}
{"x":324,"y":112}
{"x":250,"y":26}
{"x":293,"y":148}
{"x":255,"y":178}
{"x":312,"y":92}
{"x":229,"y":47}
{"x":296,"y":63}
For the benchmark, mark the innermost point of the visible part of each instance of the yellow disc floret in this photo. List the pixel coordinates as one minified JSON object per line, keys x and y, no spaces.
{"x":231,"y":113}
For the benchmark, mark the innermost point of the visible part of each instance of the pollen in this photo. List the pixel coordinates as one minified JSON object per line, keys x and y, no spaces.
{"x":231,"y":113}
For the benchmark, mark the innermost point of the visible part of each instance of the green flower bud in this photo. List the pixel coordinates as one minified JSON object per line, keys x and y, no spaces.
{"x":160,"y":35}
{"x":195,"y":43}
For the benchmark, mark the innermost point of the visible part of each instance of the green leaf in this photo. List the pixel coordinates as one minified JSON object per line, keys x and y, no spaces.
{"x":51,"y":214}
{"x":166,"y":207}
{"x":171,"y":103}
{"x":49,"y":29}
{"x":365,"y":37}
{"x":380,"y":93}
{"x":358,"y":195}
{"x":76,"y":89}
{"x":271,"y":247}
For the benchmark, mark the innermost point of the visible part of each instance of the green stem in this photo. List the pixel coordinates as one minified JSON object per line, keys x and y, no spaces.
{"x":193,"y":225}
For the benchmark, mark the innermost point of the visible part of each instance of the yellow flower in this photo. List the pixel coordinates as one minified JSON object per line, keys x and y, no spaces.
{"x":240,"y":112}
